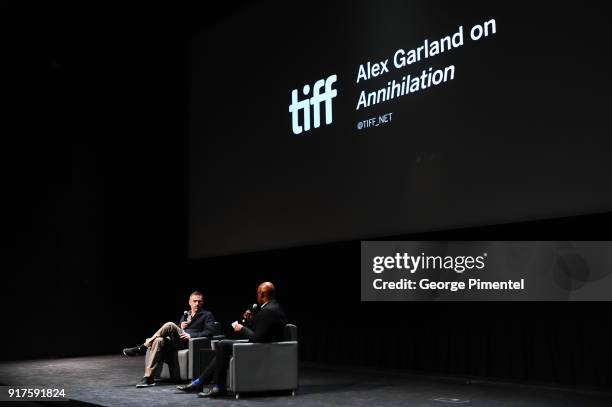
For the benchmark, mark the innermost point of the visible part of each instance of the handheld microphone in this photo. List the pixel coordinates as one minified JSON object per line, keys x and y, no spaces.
{"x":185,"y":316}
{"x":254,"y":309}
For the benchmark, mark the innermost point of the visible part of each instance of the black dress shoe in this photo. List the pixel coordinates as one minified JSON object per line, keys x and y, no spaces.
{"x":135,"y":351}
{"x":188,"y":388}
{"x":213,"y":392}
{"x":146,"y":382}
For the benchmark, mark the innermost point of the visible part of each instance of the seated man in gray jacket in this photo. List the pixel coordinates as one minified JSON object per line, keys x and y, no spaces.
{"x":195,"y":323}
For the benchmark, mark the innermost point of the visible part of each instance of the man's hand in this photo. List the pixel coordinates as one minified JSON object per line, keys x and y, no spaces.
{"x":184,"y":324}
{"x":248,"y":315}
{"x":237,"y":327}
{"x":185,"y":336}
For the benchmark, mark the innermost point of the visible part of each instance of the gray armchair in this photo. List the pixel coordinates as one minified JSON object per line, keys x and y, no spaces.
{"x":187,"y":364}
{"x":265,"y":366}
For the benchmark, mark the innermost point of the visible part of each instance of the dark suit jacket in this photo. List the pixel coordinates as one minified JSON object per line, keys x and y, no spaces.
{"x":202,"y":324}
{"x":267,"y":325}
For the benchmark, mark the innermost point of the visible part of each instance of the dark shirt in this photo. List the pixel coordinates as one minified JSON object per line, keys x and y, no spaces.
{"x":202,"y":324}
{"x":267,"y":325}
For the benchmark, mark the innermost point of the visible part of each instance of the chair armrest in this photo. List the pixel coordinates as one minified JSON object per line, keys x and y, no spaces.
{"x":213,"y":343}
{"x":255,"y":353}
{"x":202,"y":339}
{"x":243,"y":345}
{"x":195,"y":344}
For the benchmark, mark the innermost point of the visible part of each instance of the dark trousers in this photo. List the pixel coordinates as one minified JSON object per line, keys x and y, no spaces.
{"x":216,"y":371}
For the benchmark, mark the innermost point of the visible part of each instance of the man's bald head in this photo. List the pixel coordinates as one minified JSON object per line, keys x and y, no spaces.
{"x":265,"y":292}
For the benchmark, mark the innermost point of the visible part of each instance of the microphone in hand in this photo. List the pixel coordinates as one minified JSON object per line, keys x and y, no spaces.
{"x":248,"y":314}
{"x":185,"y":322}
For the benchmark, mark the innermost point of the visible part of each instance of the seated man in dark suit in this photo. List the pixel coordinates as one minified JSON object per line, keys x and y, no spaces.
{"x":195,"y":323}
{"x":267,"y":325}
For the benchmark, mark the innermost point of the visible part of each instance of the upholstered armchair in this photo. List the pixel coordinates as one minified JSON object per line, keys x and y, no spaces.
{"x":265,"y":366}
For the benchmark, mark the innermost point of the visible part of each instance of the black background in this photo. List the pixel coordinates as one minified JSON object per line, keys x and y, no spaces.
{"x":521,"y":133}
{"x":95,"y":147}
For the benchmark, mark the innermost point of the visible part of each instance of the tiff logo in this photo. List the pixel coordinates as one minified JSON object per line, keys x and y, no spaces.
{"x":316,"y":100}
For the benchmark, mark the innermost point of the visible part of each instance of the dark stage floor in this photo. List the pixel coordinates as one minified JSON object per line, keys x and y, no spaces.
{"x":110,"y":381}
